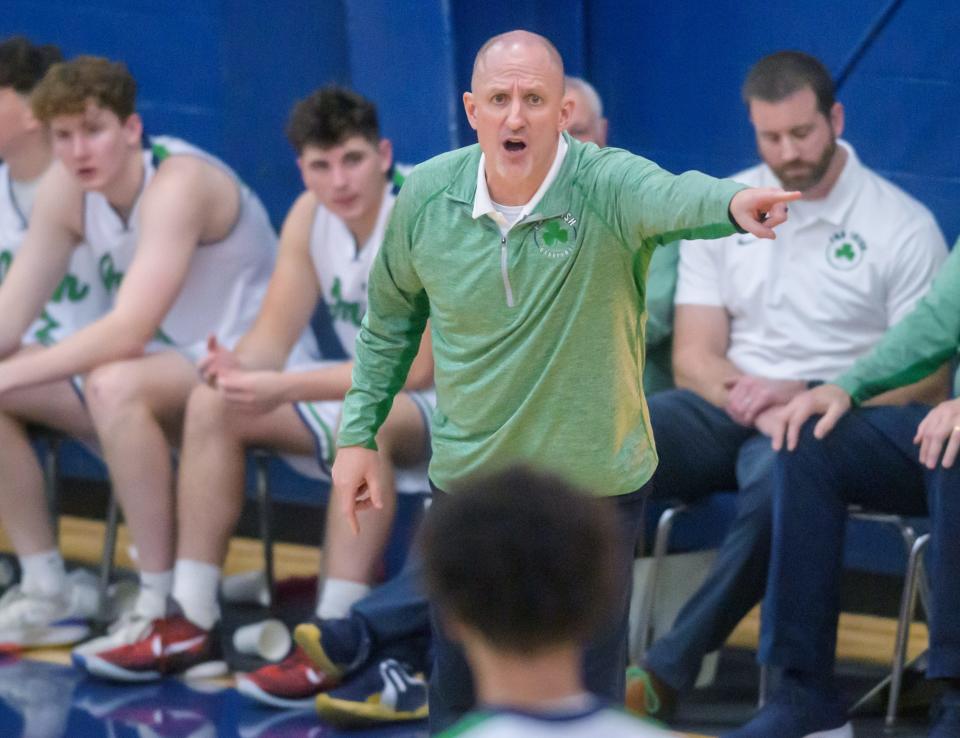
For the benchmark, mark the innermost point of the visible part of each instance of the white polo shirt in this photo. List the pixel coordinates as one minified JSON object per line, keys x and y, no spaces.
{"x":841,"y":271}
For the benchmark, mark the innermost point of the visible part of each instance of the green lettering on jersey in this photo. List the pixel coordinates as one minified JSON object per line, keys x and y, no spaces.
{"x":6,"y":258}
{"x":344,"y":309}
{"x":44,"y":334}
{"x":108,"y":273}
{"x":72,"y":289}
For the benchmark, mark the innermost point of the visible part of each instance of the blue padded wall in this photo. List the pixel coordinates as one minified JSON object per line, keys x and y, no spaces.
{"x":224,"y":73}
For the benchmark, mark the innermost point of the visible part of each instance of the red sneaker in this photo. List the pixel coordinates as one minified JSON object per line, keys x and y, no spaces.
{"x":172,"y":645}
{"x":293,"y":683}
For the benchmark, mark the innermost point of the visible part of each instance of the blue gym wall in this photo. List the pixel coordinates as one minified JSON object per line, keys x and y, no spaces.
{"x":224,"y":73}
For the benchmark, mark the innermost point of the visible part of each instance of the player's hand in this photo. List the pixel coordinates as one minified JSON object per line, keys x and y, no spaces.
{"x":749,"y":395}
{"x":252,"y":391}
{"x":941,"y":426}
{"x":218,"y":359}
{"x":759,"y":210}
{"x":827,"y":400}
{"x":356,"y":482}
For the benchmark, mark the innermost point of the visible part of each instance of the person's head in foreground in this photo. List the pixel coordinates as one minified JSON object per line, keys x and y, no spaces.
{"x":796,"y":119}
{"x":521,"y":565}
{"x":517,"y":106}
{"x":90,"y":105}
{"x":342,"y":158}
{"x":586,"y":121}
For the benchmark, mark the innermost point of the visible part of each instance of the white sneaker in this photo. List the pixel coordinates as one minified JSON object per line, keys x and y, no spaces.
{"x":128,"y":628}
{"x":33,"y":620}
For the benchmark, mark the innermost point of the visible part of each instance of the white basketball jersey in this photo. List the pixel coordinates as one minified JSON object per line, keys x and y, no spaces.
{"x":226,"y":280}
{"x":592,"y":723}
{"x":343,"y":269}
{"x":78,"y":300}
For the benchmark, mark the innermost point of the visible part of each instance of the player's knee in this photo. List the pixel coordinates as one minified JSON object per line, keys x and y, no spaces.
{"x":206,"y":410}
{"x":111,"y":388}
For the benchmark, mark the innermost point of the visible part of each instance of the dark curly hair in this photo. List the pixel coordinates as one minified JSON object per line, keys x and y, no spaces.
{"x":23,"y":64}
{"x":524,"y":558}
{"x":331,"y":115}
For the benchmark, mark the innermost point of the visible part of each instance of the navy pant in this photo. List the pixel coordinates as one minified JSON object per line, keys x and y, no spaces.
{"x":391,"y":621}
{"x":451,"y":685}
{"x":868,"y":459}
{"x":702,"y":450}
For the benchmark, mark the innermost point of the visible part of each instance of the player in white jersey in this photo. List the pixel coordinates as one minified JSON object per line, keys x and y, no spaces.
{"x":523,"y":605}
{"x":193,"y":248}
{"x":79,"y":299}
{"x":328,"y":242}
{"x":45,"y":594}
{"x":26,"y":155}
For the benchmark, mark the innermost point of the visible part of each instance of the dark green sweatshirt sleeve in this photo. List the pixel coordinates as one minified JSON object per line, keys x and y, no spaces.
{"x":916,"y":346}
{"x":397,"y":311}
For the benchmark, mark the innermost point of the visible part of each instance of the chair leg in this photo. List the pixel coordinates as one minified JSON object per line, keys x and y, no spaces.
{"x":660,"y":544}
{"x":109,"y":549}
{"x":266,"y":524}
{"x":907,"y":604}
{"x":51,"y":478}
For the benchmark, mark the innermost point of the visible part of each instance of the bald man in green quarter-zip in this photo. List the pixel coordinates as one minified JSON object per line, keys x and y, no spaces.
{"x":526,"y":251}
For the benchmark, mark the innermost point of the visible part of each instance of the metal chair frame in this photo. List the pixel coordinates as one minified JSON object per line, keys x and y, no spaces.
{"x":914,"y":584}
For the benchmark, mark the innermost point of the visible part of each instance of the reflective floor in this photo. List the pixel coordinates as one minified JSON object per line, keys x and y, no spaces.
{"x":41,"y":700}
{"x":44,"y":700}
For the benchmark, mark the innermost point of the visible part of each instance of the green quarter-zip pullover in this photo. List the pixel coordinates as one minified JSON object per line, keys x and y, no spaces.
{"x":538,"y":335}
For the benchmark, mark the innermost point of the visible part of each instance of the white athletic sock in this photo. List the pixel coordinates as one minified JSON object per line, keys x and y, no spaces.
{"x":195,"y":587}
{"x":43,"y":573}
{"x":154,"y":592}
{"x":338,"y":597}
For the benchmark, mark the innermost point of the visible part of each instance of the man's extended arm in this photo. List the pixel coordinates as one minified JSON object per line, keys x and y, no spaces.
{"x":654,"y":205}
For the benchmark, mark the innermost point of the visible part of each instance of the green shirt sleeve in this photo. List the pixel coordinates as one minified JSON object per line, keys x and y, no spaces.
{"x":397,"y":312}
{"x":916,"y":346}
{"x":651,"y":204}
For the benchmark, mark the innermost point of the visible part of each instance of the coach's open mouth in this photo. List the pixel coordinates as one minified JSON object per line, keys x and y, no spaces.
{"x":514,"y":145}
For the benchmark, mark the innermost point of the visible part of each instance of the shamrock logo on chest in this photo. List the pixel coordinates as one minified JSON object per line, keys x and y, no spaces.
{"x":556,"y":237}
{"x":845,"y":250}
